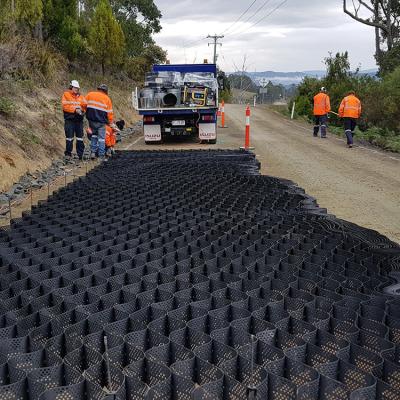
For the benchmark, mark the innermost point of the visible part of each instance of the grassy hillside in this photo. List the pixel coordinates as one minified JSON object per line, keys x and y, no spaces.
{"x":31,"y":122}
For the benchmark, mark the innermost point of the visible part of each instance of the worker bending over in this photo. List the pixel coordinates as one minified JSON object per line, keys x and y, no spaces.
{"x":322,"y":107}
{"x":74,"y":108}
{"x":350,"y":111}
{"x":99,"y":114}
{"x":111,"y":140}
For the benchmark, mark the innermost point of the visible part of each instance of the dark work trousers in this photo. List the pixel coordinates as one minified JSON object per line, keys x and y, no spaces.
{"x":349,"y":128}
{"x":321,"y":121}
{"x":73,"y":129}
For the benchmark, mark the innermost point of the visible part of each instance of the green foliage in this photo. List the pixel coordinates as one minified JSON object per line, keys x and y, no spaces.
{"x":138,"y":34}
{"x":136,"y":67}
{"x":337,"y":68}
{"x":69,"y":40}
{"x":274,"y":93}
{"x":61,"y":26}
{"x":29,"y":12}
{"x":106,"y":38}
{"x":390,"y":60}
{"x":243,"y":82}
{"x":7,"y":106}
{"x":139,"y":20}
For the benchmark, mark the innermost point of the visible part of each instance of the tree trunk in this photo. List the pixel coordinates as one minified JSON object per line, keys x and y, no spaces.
{"x":389,"y":25}
{"x":378,"y":54}
{"x":38,"y":31}
{"x":103,"y":68}
{"x":13,"y":6}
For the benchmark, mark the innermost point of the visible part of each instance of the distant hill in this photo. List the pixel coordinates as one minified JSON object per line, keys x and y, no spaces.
{"x":291,"y":78}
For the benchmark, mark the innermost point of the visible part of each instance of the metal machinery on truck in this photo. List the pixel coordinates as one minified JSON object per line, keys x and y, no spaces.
{"x":179,"y":100}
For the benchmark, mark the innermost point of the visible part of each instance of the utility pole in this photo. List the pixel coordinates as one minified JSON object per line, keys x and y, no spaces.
{"x":215,"y":44}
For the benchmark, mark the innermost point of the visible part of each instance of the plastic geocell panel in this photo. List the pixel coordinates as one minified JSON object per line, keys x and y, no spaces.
{"x":187,"y":275}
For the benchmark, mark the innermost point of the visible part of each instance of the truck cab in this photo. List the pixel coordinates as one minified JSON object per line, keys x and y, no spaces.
{"x":179,"y":100}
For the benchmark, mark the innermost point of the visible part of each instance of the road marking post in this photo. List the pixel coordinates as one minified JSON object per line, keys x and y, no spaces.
{"x":223,"y":115}
{"x":293,"y":109}
{"x":247,"y":133}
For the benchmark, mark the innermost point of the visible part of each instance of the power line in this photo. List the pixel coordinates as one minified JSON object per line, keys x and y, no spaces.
{"x":270,"y":13}
{"x":259,"y":9}
{"x":243,"y":14}
{"x":261,"y":19}
{"x":192,"y":43}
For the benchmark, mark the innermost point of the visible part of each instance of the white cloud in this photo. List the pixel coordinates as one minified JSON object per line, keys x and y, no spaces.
{"x":296,"y":37}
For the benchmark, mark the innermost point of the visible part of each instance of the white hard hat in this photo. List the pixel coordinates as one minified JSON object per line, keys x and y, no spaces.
{"x":323,"y":89}
{"x":75,"y":84}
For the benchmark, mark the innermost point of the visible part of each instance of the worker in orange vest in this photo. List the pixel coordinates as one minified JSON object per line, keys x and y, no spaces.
{"x":74,"y":108}
{"x":111,"y":140}
{"x":99,"y":114}
{"x":350,"y":111}
{"x":322,"y":107}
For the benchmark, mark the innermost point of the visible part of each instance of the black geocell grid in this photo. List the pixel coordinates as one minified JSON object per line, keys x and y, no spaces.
{"x":207,"y":280}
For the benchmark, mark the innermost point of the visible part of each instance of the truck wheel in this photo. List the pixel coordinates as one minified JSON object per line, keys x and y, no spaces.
{"x":212,"y":141}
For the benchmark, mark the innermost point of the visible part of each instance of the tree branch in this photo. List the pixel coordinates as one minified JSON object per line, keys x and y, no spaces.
{"x":363,"y":20}
{"x":366,"y":6}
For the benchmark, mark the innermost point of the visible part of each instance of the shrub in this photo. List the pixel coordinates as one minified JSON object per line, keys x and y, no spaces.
{"x":7,"y":107}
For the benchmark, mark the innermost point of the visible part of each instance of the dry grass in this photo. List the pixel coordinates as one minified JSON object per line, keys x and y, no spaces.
{"x":33,"y":135}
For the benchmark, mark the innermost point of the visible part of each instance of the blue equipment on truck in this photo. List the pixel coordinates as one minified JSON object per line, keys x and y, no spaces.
{"x":179,"y":100}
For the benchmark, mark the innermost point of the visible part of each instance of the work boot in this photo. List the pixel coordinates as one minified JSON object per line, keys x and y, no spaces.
{"x":92,"y":156}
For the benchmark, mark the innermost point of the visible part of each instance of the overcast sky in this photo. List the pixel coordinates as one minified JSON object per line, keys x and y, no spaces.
{"x":296,"y":37}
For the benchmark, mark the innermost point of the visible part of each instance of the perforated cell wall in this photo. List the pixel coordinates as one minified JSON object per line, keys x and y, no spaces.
{"x":207,"y":280}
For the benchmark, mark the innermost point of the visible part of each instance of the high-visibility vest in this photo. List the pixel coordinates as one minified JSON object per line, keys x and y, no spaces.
{"x":70,"y":102}
{"x":111,"y":138}
{"x":99,"y":108}
{"x":322,"y":104}
{"x":350,"y":107}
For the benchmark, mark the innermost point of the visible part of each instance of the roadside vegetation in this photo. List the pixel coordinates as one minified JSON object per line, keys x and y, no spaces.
{"x":44,"y":39}
{"x":380,"y":96}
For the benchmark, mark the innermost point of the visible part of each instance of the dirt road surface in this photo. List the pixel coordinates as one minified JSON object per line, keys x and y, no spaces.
{"x":361,"y":185}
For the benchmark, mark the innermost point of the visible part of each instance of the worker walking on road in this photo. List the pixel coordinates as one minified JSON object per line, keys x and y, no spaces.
{"x":99,"y":114}
{"x":322,"y":107}
{"x":74,"y":108}
{"x":350,"y":111}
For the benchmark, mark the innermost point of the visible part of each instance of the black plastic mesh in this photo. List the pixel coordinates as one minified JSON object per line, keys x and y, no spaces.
{"x":187,"y":275}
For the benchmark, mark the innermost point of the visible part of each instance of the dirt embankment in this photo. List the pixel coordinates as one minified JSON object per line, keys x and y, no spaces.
{"x":32,"y":130}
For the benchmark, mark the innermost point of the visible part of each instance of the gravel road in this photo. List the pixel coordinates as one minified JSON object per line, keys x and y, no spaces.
{"x":361,"y":185}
